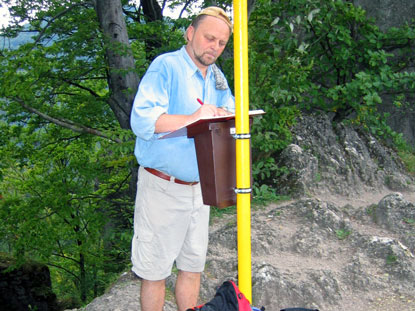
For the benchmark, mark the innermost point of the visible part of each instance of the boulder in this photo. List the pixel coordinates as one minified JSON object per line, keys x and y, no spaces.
{"x":25,"y":288}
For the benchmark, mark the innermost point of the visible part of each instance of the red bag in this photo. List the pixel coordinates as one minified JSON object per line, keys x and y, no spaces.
{"x":243,"y":303}
{"x":228,"y":297}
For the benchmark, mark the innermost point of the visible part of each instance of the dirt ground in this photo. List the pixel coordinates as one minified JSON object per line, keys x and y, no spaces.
{"x":356,"y":300}
{"x":124,"y":294}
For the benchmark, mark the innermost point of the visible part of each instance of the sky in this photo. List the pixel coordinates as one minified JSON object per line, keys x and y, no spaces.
{"x":4,"y":13}
{"x":4,"y":16}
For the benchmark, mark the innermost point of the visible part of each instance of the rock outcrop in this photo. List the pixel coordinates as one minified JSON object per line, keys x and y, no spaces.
{"x":26,"y":288}
{"x":388,"y":13}
{"x":328,"y":158}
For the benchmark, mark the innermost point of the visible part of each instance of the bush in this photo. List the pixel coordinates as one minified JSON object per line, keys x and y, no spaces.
{"x":321,"y":56}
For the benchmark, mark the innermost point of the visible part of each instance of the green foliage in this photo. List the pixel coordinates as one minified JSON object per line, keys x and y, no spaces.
{"x":154,"y":38}
{"x":58,"y":200}
{"x":65,"y":193}
{"x":322,"y":55}
{"x":408,"y":158}
{"x":216,"y":212}
{"x":409,"y":221}
{"x":263,"y":194}
{"x":342,"y":234}
{"x":391,"y":259}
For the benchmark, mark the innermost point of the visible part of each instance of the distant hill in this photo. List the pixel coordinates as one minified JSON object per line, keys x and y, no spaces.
{"x":14,"y":43}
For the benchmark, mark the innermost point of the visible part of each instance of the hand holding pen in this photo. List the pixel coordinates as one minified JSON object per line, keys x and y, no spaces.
{"x":211,"y":110}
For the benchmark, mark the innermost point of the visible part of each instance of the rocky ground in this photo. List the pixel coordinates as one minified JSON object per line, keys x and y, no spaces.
{"x":310,"y":253}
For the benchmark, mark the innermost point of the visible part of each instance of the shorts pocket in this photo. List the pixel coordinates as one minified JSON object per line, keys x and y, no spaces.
{"x":144,"y":234}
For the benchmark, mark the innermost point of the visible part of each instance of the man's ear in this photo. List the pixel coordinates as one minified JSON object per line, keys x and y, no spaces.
{"x":189,"y":33}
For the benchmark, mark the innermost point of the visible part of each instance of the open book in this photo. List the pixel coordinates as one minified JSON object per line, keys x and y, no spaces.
{"x":182,"y":131}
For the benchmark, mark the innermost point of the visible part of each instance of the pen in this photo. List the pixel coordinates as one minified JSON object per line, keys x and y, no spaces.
{"x":200,"y":101}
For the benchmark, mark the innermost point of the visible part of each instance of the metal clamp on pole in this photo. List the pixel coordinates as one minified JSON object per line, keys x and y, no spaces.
{"x":239,"y":136}
{"x":243,"y":190}
{"x":242,"y":136}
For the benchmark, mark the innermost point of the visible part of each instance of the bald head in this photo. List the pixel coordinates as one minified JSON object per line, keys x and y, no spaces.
{"x":215,"y":12}
{"x":206,"y":40}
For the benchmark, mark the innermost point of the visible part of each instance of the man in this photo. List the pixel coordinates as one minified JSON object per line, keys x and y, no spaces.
{"x":170,"y":220}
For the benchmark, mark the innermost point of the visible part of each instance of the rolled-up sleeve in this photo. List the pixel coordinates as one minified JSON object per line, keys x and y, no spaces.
{"x":228,"y":102}
{"x":150,"y":102}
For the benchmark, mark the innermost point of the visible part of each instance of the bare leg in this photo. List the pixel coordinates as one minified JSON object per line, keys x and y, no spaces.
{"x":187,"y":289}
{"x":152,"y":295}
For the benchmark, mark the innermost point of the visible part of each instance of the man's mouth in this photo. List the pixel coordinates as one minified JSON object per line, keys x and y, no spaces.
{"x":210,"y":55}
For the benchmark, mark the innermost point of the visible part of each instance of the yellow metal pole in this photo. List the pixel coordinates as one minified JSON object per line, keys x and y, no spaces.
{"x":243,"y":170}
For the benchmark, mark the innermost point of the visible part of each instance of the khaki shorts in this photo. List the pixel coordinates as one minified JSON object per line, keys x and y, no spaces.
{"x":171,"y":224}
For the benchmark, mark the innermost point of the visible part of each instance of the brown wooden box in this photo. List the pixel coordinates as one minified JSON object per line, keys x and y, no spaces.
{"x":215,"y":149}
{"x":216,"y":156}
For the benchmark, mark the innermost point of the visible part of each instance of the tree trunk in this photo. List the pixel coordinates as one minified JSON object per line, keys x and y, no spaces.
{"x":82,"y":275}
{"x":152,"y":10}
{"x":122,"y":78}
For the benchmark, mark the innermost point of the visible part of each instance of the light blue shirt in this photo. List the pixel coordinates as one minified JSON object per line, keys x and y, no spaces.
{"x":172,"y":85}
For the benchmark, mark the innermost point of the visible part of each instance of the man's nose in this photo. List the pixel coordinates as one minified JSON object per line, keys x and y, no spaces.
{"x":216,"y":45}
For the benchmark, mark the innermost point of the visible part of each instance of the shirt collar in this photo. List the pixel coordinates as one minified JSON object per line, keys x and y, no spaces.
{"x":192,"y":66}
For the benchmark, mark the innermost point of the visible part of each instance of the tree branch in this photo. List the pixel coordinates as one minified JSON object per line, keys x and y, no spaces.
{"x":79,"y":128}
{"x":184,"y":7}
{"x":81,"y":87}
{"x":64,"y":269}
{"x":51,"y":21}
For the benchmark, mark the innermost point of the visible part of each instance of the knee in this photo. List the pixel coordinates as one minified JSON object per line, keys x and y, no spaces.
{"x":153,"y":285}
{"x":193,"y":276}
